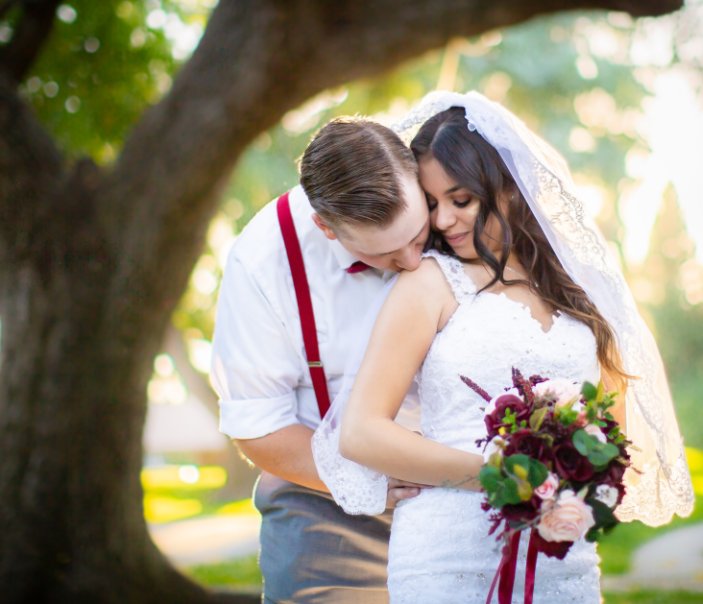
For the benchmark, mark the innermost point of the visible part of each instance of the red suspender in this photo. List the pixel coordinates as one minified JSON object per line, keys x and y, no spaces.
{"x":302,"y":295}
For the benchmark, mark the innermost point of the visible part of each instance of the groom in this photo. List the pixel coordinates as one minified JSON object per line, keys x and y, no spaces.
{"x":359,"y":216}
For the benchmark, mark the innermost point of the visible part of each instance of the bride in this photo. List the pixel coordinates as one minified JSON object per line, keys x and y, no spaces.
{"x":517,"y":277}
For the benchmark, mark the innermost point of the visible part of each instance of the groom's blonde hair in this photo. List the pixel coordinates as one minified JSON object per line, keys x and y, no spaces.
{"x":351,"y":172}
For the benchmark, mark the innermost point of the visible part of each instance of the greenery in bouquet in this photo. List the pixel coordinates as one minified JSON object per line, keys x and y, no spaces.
{"x":554,"y":460}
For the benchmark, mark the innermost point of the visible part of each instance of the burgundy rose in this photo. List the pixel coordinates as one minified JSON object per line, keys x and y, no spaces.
{"x":521,"y":513}
{"x":527,"y":442}
{"x":553,"y":549}
{"x":517,"y":406}
{"x":570,"y":464}
{"x":614,"y":473}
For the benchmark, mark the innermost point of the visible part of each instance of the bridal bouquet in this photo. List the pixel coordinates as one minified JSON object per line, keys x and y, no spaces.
{"x":555,"y":460}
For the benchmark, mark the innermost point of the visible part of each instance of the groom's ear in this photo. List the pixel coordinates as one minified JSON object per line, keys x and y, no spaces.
{"x":323,"y":226}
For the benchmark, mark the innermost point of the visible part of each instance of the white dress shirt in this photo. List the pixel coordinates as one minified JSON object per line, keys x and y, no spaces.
{"x":259,"y":368}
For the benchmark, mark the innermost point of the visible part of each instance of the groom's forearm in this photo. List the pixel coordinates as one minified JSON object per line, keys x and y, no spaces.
{"x":286,"y":453}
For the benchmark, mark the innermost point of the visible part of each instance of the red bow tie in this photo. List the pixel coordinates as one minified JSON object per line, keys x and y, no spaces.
{"x":357,"y":267}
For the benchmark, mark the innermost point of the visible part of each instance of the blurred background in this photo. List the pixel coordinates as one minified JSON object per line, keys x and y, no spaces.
{"x":621,"y":99}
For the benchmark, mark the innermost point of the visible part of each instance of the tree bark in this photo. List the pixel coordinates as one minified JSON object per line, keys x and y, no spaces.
{"x":93,"y":262}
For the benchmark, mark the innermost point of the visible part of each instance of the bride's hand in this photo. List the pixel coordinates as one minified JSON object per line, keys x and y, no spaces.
{"x":398,"y":490}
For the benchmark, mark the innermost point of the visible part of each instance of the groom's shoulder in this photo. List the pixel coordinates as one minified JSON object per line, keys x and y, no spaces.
{"x":260,"y":243}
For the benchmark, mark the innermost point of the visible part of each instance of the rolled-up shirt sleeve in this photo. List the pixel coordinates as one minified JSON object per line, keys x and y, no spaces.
{"x":255,"y":365}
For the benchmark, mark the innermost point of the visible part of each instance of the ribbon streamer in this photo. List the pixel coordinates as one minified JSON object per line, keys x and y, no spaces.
{"x":505,"y":574}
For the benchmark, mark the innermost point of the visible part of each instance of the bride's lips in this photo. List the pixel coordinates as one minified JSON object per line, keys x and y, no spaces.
{"x":455,"y":239}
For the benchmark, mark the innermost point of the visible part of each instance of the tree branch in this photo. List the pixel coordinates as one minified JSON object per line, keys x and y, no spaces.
{"x":258,"y":59}
{"x":196,"y":384}
{"x":31,"y":170}
{"x":6,"y":6}
{"x":29,"y":36}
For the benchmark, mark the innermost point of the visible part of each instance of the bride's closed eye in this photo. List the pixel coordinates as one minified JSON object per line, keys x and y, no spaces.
{"x":459,"y":203}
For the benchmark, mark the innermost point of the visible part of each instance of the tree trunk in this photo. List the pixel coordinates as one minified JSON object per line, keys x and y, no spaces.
{"x":72,"y":402}
{"x":93,"y":262}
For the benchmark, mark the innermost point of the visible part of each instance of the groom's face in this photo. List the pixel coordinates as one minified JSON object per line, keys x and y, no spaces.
{"x":399,"y":245}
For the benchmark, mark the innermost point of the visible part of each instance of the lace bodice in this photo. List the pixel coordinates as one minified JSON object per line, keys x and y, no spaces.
{"x":485,"y":338}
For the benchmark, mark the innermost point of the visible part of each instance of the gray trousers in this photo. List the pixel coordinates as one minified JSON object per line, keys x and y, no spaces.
{"x":312,"y":552}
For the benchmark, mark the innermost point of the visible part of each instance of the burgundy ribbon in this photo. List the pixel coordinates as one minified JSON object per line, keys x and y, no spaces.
{"x":505,"y":575}
{"x":531,"y":567}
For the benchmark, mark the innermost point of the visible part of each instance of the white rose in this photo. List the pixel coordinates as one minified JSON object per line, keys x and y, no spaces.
{"x":547,"y":489}
{"x":563,"y":391}
{"x":566,"y":519}
{"x":607,"y":495}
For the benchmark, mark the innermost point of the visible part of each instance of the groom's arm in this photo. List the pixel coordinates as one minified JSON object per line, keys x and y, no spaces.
{"x":255,"y":371}
{"x":286,"y":453}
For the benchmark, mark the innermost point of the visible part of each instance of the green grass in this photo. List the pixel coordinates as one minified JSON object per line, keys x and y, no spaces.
{"x":236,"y":573}
{"x":653,"y":597}
{"x":169,"y":498}
{"x":176,"y":492}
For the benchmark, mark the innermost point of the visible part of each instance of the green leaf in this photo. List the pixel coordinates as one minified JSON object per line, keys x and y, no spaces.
{"x":603,"y":454}
{"x":589,"y":391}
{"x":517,"y":461}
{"x":537,"y":418}
{"x":538,"y":473}
{"x":583,"y":441}
{"x":602,"y":514}
{"x":598,"y":453}
{"x":524,"y":490}
{"x":490,"y":477}
{"x":505,"y":493}
{"x":600,"y":392}
{"x":567,"y":416}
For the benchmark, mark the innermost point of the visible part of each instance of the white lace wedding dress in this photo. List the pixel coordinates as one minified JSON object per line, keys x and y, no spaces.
{"x":440,"y":550}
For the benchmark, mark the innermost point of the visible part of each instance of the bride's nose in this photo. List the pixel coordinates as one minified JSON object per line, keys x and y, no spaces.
{"x":443,"y":217}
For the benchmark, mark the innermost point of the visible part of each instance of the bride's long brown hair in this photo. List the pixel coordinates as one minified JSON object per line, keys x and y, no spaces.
{"x":475,"y":165}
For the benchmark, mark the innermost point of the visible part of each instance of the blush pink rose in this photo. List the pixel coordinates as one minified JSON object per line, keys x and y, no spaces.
{"x":562,"y":391}
{"x":547,"y":489}
{"x":581,"y":420}
{"x":566,"y":519}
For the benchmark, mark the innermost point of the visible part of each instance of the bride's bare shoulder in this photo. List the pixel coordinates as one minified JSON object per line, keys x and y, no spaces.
{"x":427,"y":281}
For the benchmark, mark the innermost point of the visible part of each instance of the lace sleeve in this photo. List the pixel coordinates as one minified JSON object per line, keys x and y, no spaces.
{"x":356,"y":488}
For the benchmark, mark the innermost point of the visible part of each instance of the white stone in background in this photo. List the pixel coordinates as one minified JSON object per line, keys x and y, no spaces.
{"x":670,"y":562}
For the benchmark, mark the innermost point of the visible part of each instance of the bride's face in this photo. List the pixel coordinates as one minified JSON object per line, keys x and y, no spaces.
{"x":454,"y":209}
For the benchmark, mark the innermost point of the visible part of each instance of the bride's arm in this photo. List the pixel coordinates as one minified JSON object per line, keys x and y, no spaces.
{"x":416,"y":308}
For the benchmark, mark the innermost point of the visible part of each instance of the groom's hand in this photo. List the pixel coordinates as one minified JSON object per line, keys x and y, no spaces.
{"x":401,"y":489}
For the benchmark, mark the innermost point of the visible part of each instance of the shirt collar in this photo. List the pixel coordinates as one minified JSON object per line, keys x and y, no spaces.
{"x":343,"y":256}
{"x":345,"y":259}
